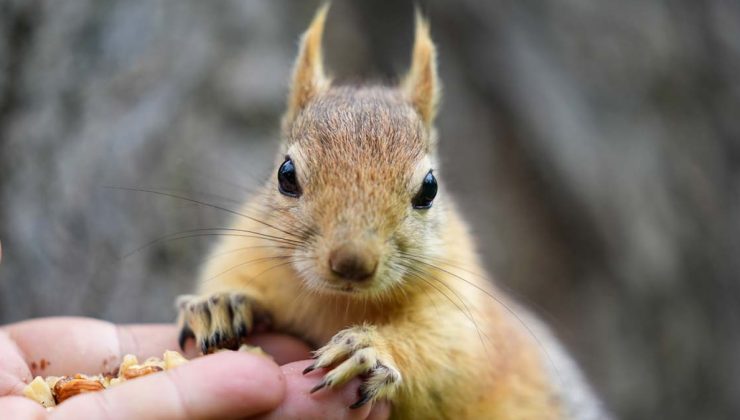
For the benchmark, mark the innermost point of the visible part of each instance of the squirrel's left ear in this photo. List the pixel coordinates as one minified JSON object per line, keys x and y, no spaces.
{"x":421,"y":86}
{"x":308,"y":72}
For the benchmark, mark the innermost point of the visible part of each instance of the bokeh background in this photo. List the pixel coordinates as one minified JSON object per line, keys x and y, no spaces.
{"x":594,"y":145}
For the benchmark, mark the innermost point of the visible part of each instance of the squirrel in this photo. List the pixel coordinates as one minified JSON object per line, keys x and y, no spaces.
{"x":357,"y":249}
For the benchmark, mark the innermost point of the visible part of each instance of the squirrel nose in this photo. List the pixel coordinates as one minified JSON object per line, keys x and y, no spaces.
{"x":352,"y":263}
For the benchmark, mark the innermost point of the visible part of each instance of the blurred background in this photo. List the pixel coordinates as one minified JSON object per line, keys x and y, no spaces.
{"x":594,"y":145}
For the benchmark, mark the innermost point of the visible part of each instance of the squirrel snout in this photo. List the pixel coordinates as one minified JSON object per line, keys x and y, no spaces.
{"x":353,"y":263}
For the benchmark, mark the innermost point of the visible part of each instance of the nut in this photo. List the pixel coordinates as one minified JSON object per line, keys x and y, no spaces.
{"x":173,"y":359}
{"x":39,"y":391}
{"x":140,"y":370}
{"x":52,"y":390}
{"x":154,"y":361}
{"x":52,"y":380}
{"x":246,"y":348}
{"x":68,"y":387}
{"x":128,"y":361}
{"x":113,"y":382}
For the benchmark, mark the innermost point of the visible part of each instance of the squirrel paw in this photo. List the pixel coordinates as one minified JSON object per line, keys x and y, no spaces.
{"x":358,"y":351}
{"x":218,"y":321}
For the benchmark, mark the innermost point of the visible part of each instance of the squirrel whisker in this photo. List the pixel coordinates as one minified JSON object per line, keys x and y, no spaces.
{"x":202,"y":203}
{"x":193,"y":233}
{"x":246,"y":248}
{"x":252,"y":261}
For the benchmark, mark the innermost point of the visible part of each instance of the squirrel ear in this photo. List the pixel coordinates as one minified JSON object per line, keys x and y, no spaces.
{"x":421,"y":86}
{"x":308,"y":71}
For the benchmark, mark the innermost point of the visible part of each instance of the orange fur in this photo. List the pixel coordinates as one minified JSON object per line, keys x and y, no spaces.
{"x":428,"y":313}
{"x":308,"y":74}
{"x":421,"y":85}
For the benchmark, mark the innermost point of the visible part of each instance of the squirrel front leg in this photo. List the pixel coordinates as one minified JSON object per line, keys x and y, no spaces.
{"x":219,"y":320}
{"x":359,"y":351}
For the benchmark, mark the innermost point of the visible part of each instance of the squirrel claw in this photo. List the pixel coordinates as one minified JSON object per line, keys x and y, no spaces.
{"x":218,"y":321}
{"x":357,"y":352}
{"x":319,"y":386}
{"x":185,"y":334}
{"x":365,"y":397}
{"x":309,"y":369}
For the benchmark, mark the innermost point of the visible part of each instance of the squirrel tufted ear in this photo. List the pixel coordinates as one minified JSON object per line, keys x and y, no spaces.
{"x":308,"y":71}
{"x":421,"y":86}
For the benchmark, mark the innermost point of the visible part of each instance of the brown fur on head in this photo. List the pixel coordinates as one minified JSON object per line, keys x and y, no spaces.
{"x":360,"y":155}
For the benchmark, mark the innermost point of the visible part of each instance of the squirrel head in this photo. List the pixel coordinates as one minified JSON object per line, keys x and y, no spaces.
{"x":356,"y":172}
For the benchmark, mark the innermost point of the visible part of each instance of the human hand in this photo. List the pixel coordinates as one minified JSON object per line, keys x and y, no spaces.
{"x":224,"y":385}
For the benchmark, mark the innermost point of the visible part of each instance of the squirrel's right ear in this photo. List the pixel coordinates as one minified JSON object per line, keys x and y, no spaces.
{"x":308,"y":72}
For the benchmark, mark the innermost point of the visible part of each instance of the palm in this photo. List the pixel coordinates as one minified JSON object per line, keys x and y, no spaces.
{"x":227,"y":385}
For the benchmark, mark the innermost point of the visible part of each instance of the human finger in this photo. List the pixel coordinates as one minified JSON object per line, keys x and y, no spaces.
{"x":145,"y":340}
{"x":14,"y":371}
{"x":64,"y":345}
{"x":299,"y":403}
{"x":15,"y":407}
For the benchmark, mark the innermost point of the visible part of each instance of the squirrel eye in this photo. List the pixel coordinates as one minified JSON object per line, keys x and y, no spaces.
{"x":287,"y":181}
{"x":427,"y":192}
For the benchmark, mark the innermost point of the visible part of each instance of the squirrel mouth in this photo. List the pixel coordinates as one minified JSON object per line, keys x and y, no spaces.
{"x":346,"y":288}
{"x":343,"y":289}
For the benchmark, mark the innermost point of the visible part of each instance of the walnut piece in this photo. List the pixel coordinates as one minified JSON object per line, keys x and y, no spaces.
{"x":140,"y":370}
{"x":69,"y":387}
{"x":173,"y":359}
{"x":52,"y":390}
{"x":39,"y":391}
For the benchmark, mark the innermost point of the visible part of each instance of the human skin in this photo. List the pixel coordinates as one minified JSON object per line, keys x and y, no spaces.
{"x":224,"y":385}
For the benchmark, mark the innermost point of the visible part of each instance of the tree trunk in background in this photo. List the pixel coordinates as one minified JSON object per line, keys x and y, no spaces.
{"x":594,"y":146}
